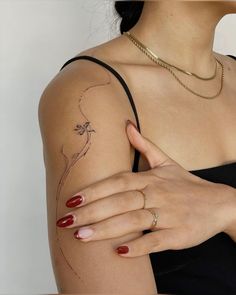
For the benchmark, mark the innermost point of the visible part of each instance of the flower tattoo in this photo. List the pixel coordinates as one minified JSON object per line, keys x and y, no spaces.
{"x":85,"y":129}
{"x":82,"y":128}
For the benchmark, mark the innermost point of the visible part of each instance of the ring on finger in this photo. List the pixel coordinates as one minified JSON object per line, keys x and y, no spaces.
{"x":155,"y":217}
{"x":144,"y":198}
{"x":151,"y":210}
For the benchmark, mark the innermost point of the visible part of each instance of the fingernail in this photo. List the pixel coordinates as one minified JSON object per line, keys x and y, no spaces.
{"x":75,"y":201}
{"x":65,"y":221}
{"x":130,"y":122}
{"x":83,"y":232}
{"x":122,"y":249}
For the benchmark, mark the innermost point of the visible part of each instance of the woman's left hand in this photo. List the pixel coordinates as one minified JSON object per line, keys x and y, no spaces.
{"x":190,"y":209}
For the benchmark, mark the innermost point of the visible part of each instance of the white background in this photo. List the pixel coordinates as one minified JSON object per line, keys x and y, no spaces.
{"x":36,"y":39}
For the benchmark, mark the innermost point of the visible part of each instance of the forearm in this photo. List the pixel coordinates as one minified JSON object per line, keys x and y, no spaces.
{"x":230,"y":228}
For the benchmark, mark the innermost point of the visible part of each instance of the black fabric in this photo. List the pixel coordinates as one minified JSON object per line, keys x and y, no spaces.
{"x":206,"y":269}
{"x":234,"y":57}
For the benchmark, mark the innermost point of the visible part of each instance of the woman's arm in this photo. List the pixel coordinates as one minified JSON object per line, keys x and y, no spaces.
{"x":82,"y":115}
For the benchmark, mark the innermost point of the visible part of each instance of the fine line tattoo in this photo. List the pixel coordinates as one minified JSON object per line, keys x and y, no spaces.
{"x":86,"y":130}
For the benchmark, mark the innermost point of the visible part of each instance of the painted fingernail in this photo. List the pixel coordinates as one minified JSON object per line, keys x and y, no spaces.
{"x":122,"y":249}
{"x":130,"y":122}
{"x":65,"y":221}
{"x":75,"y":201}
{"x":83,"y":233}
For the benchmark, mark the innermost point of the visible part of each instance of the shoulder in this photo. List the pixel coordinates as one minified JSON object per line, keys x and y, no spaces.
{"x":90,"y":84}
{"x":232,"y":63}
{"x":84,"y":101}
{"x":85,"y":75}
{"x":228,"y":61}
{"x":82,"y":78}
{"x":229,"y":64}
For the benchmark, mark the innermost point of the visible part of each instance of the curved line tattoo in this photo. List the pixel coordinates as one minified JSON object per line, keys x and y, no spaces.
{"x":84,"y":129}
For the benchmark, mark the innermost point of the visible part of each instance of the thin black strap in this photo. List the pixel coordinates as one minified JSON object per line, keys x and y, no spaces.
{"x":234,"y":57}
{"x":123,"y":83}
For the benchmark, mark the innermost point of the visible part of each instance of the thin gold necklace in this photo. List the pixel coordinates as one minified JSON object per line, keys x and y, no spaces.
{"x":168,"y":66}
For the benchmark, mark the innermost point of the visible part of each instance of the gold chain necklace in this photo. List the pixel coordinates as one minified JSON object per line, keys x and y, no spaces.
{"x":164,"y":64}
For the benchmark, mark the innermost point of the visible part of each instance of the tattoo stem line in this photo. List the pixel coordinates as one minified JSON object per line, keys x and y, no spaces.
{"x":70,"y":163}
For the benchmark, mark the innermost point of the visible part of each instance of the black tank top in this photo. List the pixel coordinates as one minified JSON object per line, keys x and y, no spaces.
{"x":206,"y":269}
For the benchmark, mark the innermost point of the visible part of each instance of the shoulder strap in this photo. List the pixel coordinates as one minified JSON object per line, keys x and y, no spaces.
{"x":124,"y":85}
{"x":234,"y":57}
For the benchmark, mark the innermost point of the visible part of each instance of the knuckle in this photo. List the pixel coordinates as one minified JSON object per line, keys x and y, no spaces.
{"x":150,"y":186}
{"x":137,"y":198}
{"x":122,"y":202}
{"x":131,"y":201}
{"x":147,"y":176}
{"x":136,"y":217}
{"x":152,"y":178}
{"x":129,"y":175}
{"x":123,"y":179}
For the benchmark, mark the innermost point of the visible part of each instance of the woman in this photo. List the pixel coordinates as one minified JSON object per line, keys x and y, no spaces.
{"x":165,"y":222}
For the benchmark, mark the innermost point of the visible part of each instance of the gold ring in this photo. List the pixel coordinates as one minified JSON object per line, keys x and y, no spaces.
{"x":144,"y":198}
{"x":155,"y":217}
{"x":151,"y":210}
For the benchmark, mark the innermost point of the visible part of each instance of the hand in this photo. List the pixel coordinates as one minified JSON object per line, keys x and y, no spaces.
{"x":190,"y":209}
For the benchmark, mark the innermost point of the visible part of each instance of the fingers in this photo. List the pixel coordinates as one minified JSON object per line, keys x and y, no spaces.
{"x":155,"y":241}
{"x":120,"y":182}
{"x":102,"y":209}
{"x":117,"y":226}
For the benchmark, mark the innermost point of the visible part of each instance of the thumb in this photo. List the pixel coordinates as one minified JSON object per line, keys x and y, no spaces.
{"x":154,"y":155}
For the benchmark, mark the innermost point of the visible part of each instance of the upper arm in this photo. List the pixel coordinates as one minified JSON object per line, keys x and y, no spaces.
{"x":77,"y":154}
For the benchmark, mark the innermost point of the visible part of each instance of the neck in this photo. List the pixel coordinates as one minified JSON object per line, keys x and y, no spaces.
{"x":181,"y":32}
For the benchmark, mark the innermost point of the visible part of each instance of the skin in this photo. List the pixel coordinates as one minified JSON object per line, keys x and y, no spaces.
{"x":197,"y":40}
{"x":186,"y":219}
{"x":167,"y":152}
{"x":191,"y":26}
{"x":169,"y":97}
{"x":85,"y":92}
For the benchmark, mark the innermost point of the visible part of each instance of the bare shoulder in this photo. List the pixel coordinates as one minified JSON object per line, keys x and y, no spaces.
{"x":89,"y":86}
{"x":80,"y":73}
{"x":229,"y":62}
{"x":86,"y":98}
{"x":85,"y":78}
{"x":112,"y":51}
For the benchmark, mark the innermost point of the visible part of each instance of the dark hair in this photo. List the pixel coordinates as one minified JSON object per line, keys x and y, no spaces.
{"x":129,"y":11}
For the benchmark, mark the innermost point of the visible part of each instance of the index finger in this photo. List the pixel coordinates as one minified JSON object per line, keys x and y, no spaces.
{"x":122,"y":181}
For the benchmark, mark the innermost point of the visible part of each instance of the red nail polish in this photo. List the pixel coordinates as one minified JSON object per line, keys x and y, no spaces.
{"x":122,"y":249}
{"x":130,"y":122}
{"x":74,"y":201}
{"x":65,"y":221}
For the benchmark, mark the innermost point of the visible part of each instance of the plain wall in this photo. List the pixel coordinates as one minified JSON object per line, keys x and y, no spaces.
{"x":36,"y":38}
